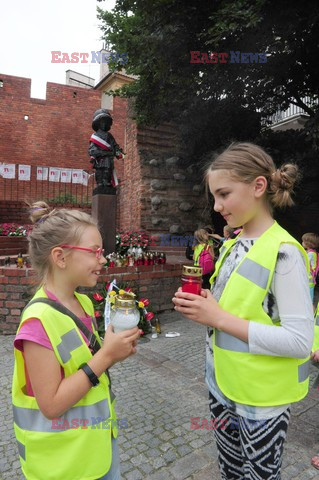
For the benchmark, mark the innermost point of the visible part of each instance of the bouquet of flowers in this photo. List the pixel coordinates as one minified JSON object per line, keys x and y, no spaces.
{"x":99,"y":299}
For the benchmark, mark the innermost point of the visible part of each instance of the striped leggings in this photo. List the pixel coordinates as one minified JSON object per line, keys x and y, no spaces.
{"x":248,"y":449}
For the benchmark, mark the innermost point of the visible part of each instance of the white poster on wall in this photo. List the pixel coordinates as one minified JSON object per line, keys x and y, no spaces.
{"x":54,"y":174}
{"x":9,"y":170}
{"x":24,"y":172}
{"x":42,"y":173}
{"x":65,"y":176}
{"x":77,"y":176}
{"x":85,"y":178}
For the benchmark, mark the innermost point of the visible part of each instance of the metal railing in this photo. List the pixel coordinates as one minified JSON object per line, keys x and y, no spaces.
{"x":51,"y":192}
{"x":291,"y":112}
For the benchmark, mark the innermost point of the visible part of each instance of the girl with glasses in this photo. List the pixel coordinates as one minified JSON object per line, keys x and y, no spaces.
{"x":64,"y":417}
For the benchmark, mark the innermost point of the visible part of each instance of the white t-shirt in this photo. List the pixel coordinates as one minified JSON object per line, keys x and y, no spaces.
{"x":289,"y":300}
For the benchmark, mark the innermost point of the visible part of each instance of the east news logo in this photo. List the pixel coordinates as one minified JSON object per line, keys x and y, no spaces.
{"x":225,"y":57}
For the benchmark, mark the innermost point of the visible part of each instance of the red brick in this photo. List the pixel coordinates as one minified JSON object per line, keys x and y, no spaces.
{"x":15,"y":311}
{"x":28,"y":281}
{"x":15,"y":304}
{"x":14,"y":273}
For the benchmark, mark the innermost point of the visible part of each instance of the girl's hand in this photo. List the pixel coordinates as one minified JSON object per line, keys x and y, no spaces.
{"x":118,"y":346}
{"x":201,"y":308}
{"x":315,"y":356}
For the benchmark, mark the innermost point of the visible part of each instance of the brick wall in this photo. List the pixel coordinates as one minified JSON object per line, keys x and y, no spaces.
{"x":17,"y":212}
{"x":157,"y":283}
{"x":56,"y":134}
{"x":156,"y":193}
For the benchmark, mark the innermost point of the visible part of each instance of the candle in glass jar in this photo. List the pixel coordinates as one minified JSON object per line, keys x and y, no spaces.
{"x":124,"y":314}
{"x":191,"y":279}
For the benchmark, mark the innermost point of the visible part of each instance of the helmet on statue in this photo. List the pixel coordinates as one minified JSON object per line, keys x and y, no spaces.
{"x":102,"y":120}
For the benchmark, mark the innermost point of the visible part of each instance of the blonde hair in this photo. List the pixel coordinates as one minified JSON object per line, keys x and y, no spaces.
{"x":53,"y":227}
{"x":202,"y":236}
{"x":311,"y":240}
{"x":247,"y":161}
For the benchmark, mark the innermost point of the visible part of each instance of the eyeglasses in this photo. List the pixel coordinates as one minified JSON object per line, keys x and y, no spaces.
{"x":99,"y":252}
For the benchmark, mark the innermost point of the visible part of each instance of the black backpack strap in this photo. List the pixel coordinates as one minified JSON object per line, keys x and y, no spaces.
{"x":93,"y":343}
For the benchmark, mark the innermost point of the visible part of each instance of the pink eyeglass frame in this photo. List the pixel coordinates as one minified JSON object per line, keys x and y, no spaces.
{"x":99,"y":252}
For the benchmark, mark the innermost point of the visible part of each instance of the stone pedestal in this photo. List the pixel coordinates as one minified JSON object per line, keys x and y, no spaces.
{"x":104,"y":210}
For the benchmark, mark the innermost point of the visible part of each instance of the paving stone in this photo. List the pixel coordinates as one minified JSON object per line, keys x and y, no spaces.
{"x":188,"y":465}
{"x":134,"y":475}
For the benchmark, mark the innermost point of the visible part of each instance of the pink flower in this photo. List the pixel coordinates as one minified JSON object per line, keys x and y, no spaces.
{"x":97,"y":297}
{"x":149,"y":316}
{"x":107,"y":286}
{"x":127,"y":289}
{"x":97,"y":314}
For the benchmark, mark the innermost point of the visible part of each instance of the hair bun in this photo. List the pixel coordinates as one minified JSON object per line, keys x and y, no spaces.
{"x":39,"y":211}
{"x":282,"y":184}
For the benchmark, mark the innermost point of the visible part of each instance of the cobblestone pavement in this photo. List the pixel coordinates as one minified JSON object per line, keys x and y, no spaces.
{"x":158,"y":390}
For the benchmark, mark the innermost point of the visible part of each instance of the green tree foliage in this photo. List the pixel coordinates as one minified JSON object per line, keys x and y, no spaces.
{"x":158,"y":36}
{"x":214,"y":103}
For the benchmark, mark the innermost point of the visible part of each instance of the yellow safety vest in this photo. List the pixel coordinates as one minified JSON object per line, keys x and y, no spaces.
{"x":197,"y":251}
{"x":62,"y":448}
{"x":316,"y":337}
{"x":259,"y":380}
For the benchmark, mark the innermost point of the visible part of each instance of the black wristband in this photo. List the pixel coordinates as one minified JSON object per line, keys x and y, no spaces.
{"x":91,"y":375}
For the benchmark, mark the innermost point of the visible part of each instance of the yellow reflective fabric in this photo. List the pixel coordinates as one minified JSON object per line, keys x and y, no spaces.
{"x":316,"y":337}
{"x":197,"y":251}
{"x":260,"y":380}
{"x":77,"y":446}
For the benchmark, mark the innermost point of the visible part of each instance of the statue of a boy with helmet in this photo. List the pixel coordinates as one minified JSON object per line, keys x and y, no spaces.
{"x":103,"y":148}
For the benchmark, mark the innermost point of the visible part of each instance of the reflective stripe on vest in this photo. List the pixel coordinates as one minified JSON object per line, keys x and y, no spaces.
{"x":254,"y":272}
{"x":112,"y":395}
{"x":35,"y":421}
{"x":21,"y":449}
{"x":303,"y":371}
{"x":229,"y":342}
{"x":69,"y":341}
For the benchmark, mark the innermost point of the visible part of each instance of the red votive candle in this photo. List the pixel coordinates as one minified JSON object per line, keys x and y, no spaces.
{"x":191,"y":279}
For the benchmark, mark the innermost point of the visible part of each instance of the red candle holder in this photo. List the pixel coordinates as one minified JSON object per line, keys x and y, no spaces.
{"x":191,"y":279}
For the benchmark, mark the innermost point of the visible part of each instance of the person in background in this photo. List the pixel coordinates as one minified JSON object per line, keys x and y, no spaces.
{"x":310,"y":242}
{"x":204,"y":254}
{"x":227,"y":232}
{"x":315,"y":358}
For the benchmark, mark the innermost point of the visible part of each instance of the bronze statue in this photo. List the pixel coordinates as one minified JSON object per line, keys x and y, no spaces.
{"x":103,"y":148}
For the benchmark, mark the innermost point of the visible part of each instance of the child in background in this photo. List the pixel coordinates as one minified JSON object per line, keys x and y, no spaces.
{"x":204,"y":254}
{"x":315,"y":358}
{"x":310,"y":242}
{"x":259,"y":336}
{"x":227,"y":232}
{"x":66,"y":429}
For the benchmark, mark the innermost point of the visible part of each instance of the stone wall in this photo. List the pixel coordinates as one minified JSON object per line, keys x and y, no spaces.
{"x":159,"y":194}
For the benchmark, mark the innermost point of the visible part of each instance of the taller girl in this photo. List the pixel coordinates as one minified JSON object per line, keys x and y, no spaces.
{"x":259,"y":315}
{"x":64,"y":417}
